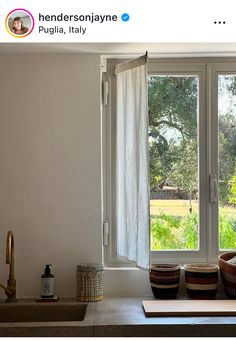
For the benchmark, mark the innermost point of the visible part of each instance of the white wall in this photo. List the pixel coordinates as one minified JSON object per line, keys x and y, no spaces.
{"x":49,"y":166}
{"x":50,"y":188}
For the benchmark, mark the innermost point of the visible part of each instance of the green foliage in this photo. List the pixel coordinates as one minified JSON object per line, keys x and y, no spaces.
{"x":232,"y":196}
{"x":172,"y":119}
{"x":190,"y":231}
{"x":185,"y":170}
{"x":228,"y":83}
{"x":164,"y":232}
{"x":173,"y":107}
{"x":181,"y":233}
{"x":227,"y":232}
{"x":173,"y":103}
{"x":174,"y":233}
{"x":159,"y":165}
{"x":227,"y":154}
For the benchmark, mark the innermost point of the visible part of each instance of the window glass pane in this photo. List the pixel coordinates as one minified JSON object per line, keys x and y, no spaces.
{"x":227,"y":160}
{"x":173,"y":146}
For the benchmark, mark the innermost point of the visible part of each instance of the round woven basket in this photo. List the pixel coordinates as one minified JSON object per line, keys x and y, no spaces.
{"x":201,"y":280}
{"x":164,"y":279}
{"x":228,"y":273}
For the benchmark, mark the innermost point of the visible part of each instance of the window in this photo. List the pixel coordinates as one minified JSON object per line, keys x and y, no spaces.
{"x":192,"y":144}
{"x":223,"y":156}
{"x":173,"y":149}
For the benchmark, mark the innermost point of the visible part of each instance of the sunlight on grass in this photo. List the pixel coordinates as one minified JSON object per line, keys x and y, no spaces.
{"x":172,"y":207}
{"x":181,"y":208}
{"x":227,"y":210}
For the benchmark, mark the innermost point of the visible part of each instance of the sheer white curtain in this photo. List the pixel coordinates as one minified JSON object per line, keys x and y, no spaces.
{"x":132,"y":163}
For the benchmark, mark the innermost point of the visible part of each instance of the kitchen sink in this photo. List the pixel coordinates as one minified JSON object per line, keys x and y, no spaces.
{"x":42,"y":312}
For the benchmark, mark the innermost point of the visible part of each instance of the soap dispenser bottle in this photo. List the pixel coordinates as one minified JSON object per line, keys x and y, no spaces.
{"x":47,"y":283}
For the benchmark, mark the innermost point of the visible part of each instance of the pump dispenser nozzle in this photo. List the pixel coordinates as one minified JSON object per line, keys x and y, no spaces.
{"x":47,"y":269}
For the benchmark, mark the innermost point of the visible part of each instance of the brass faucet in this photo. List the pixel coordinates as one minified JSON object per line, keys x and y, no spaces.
{"x":10,"y":290}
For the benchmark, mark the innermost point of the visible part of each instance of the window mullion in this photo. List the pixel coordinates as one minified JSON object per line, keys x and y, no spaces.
{"x":212,"y":160}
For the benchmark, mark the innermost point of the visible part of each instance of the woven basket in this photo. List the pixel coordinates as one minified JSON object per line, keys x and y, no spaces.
{"x":228,"y":273}
{"x":90,"y":282}
{"x":164,"y":279}
{"x":201,"y":280}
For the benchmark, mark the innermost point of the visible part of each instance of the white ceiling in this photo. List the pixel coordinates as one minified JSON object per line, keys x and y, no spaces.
{"x":162,"y":49}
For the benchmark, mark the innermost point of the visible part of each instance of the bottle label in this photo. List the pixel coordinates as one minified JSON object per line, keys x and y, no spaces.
{"x":47,"y":286}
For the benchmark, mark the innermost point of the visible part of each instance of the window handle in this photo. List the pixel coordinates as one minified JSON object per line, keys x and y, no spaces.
{"x":213,"y":188}
{"x":105,"y":233}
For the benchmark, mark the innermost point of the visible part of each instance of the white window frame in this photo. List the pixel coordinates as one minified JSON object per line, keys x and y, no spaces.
{"x":111,"y":259}
{"x":206,"y":69}
{"x":215,"y":70}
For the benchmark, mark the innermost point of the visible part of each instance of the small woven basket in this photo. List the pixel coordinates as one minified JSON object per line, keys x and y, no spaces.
{"x":201,"y":280}
{"x":90,"y":279}
{"x":164,"y":279}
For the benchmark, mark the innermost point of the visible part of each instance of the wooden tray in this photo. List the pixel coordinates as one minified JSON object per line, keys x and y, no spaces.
{"x":50,"y":299}
{"x":189,"y":308}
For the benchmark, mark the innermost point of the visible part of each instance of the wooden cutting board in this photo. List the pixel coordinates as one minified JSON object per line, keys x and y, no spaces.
{"x":189,"y":308}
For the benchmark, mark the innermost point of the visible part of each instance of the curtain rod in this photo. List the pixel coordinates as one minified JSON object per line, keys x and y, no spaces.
{"x":130,"y":64}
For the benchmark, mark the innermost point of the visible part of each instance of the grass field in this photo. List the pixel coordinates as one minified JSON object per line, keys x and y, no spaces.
{"x":181,"y":208}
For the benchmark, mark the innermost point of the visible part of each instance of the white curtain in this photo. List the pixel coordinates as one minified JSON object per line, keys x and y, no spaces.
{"x":132,"y":163}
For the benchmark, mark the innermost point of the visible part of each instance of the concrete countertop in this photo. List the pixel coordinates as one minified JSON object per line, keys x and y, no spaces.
{"x":116,"y":316}
{"x":125,"y":317}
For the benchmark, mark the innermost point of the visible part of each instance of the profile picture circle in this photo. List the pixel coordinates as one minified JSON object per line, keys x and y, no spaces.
{"x":19,"y":23}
